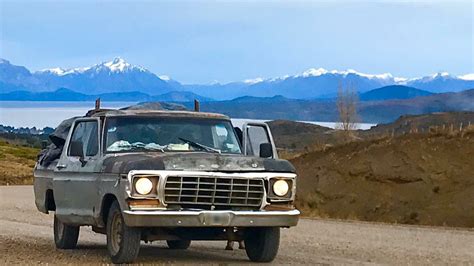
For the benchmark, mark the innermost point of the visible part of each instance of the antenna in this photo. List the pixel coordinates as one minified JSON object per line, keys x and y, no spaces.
{"x":196,"y":105}
{"x":97,"y":104}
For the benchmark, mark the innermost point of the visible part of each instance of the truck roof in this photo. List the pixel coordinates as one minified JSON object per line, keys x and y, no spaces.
{"x":157,"y":113}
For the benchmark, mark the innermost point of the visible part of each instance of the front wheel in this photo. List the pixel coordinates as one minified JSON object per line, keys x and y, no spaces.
{"x":65,"y":236}
{"x":123,"y":242}
{"x":261,"y":243}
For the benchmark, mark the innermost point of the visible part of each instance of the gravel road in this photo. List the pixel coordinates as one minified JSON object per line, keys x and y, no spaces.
{"x":26,"y":237}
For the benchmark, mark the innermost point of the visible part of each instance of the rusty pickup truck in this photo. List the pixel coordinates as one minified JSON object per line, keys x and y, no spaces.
{"x":177,"y":176}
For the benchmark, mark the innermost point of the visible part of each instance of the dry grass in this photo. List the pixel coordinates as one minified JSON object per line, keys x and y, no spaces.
{"x":16,"y":164}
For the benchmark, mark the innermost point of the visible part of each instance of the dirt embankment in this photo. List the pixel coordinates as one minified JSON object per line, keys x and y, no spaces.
{"x":417,"y":179}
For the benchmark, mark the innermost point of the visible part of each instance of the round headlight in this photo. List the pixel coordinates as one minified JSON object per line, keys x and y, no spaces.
{"x":280,"y":188}
{"x":143,"y":186}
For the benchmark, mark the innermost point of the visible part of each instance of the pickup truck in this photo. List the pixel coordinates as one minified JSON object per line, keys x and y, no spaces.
{"x":178,"y":176}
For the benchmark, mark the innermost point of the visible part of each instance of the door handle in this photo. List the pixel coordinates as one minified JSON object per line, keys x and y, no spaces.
{"x":60,"y":166}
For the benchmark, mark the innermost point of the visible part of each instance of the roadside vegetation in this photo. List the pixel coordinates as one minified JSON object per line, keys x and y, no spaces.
{"x":16,"y":163}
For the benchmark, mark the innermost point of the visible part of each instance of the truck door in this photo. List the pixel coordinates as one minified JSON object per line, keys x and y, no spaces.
{"x":253,"y":135}
{"x":75,"y":182}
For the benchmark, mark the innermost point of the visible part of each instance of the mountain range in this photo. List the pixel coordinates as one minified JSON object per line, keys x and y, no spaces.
{"x":114,"y":76}
{"x":119,"y":76}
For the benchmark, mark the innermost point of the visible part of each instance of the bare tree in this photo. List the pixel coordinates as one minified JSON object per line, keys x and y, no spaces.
{"x":347,"y":101}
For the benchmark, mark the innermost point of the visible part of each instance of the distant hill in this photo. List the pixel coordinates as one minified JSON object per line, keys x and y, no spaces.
{"x":180,"y":96}
{"x":57,"y":95}
{"x":388,"y":111}
{"x":393,"y":92}
{"x":69,"y":95}
{"x":253,"y":99}
{"x":382,"y":111}
{"x":277,"y":107}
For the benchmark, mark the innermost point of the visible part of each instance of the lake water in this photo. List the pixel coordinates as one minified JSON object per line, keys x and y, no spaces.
{"x":42,"y":114}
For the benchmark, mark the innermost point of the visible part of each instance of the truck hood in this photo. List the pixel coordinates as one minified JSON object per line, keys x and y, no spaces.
{"x":196,"y":161}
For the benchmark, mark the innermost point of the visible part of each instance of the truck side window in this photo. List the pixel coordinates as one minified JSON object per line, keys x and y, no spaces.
{"x":86,"y":132}
{"x":256,"y":135}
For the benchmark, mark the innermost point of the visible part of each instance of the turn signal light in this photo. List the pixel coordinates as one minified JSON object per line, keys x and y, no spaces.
{"x":144,"y":203}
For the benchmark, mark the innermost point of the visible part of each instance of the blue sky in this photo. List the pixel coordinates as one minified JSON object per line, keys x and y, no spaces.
{"x":206,"y":41}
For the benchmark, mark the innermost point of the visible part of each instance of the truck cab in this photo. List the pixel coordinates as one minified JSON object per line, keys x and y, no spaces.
{"x":177,"y":176}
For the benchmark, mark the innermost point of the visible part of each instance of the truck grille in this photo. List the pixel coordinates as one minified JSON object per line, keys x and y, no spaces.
{"x":220,"y":192}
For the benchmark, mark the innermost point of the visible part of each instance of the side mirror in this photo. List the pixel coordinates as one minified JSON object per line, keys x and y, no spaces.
{"x":76,"y":149}
{"x":266,"y":150}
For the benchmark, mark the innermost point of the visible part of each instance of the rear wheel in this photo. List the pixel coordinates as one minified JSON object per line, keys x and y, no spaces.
{"x":123,"y":242}
{"x":65,"y":236}
{"x":178,"y":244}
{"x":261,"y":243}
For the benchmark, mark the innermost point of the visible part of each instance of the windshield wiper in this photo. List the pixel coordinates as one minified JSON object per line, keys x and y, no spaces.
{"x":201,"y":146}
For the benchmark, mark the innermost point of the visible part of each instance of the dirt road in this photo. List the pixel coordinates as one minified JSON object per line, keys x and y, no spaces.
{"x":26,"y":237}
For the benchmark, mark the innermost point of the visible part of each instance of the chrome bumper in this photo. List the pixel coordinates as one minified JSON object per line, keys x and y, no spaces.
{"x":210,"y":218}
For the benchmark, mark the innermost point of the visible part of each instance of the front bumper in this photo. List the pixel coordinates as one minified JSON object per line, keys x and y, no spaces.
{"x":211,"y":218}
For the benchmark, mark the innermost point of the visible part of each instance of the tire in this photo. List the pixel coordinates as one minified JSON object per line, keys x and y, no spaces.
{"x":123,"y":242}
{"x":261,"y":244}
{"x":65,"y":236}
{"x":178,"y":244}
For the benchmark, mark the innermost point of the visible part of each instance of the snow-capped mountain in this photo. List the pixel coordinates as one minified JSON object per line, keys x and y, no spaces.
{"x":117,"y":65}
{"x":12,"y":74}
{"x":14,"y":77}
{"x":322,"y":83}
{"x":114,"y":76}
{"x":119,"y":76}
{"x":443,"y":82}
{"x":312,"y":83}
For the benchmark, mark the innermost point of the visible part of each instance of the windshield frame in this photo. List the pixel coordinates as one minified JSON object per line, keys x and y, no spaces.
{"x":107,"y":118}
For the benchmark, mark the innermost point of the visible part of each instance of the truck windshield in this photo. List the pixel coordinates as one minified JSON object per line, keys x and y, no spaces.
{"x":129,"y":134}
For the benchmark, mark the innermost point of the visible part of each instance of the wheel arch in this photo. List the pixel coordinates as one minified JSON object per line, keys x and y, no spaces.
{"x":107,"y":201}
